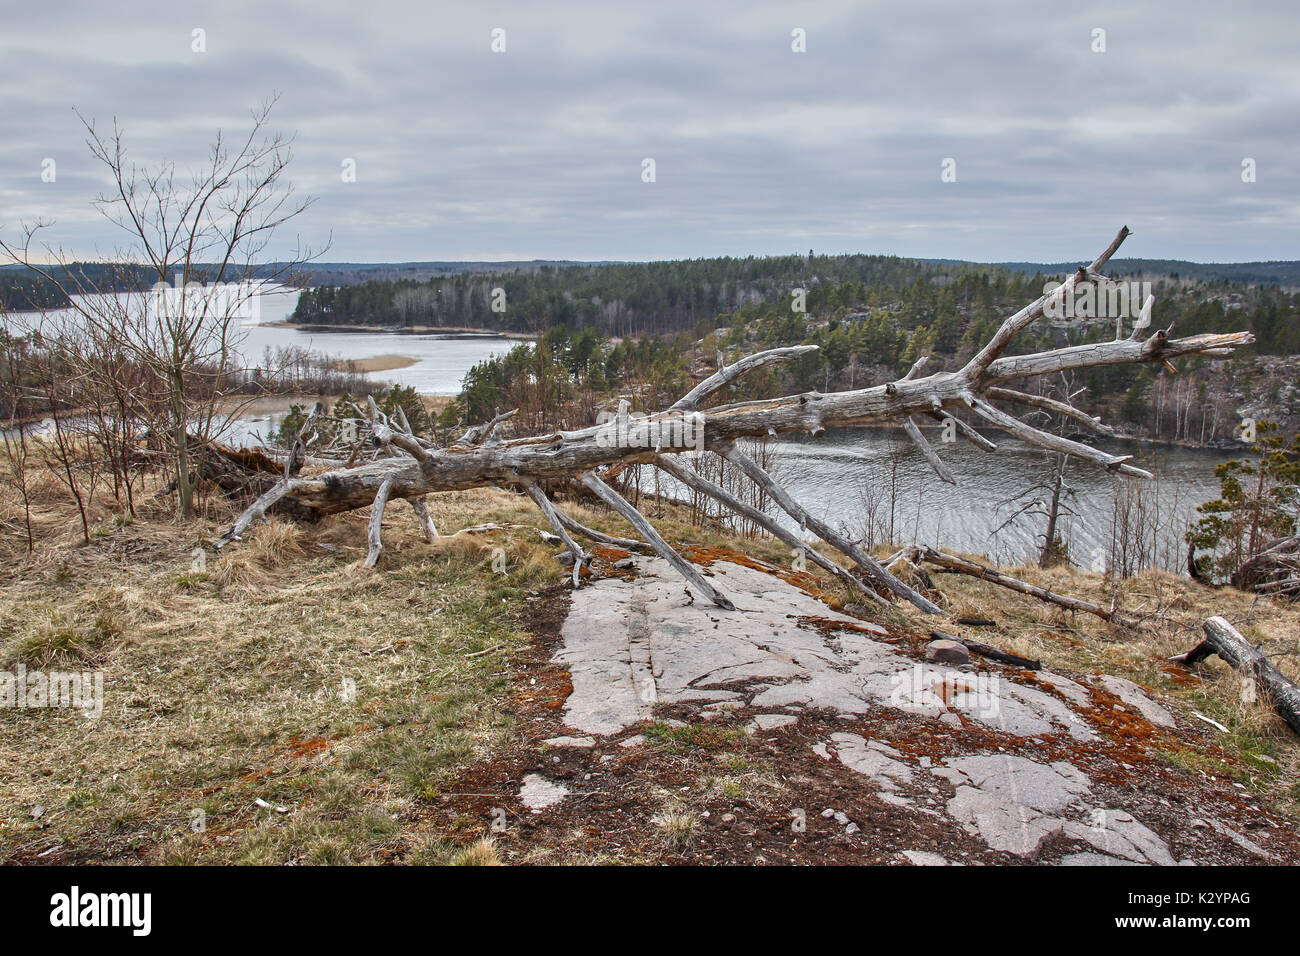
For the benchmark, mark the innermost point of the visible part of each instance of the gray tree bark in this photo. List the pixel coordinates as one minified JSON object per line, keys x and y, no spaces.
{"x":1225,"y":640}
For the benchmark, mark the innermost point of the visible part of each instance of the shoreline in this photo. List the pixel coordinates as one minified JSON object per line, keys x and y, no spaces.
{"x":448,"y":331}
{"x":268,"y":405}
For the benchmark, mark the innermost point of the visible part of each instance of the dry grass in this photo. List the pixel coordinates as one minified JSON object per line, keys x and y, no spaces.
{"x":677,"y":829}
{"x":279,"y":671}
{"x":481,"y":853}
{"x":282,"y":671}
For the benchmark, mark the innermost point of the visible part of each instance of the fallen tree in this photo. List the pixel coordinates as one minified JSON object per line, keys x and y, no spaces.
{"x":410,"y":467}
{"x":1274,"y":570}
{"x":950,"y":562}
{"x":1225,"y":640}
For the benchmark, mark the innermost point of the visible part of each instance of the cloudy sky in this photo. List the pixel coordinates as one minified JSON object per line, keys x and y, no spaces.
{"x":538,"y":151}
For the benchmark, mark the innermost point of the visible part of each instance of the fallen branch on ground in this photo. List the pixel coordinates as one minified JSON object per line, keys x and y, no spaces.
{"x":962,"y":566}
{"x":989,"y":651}
{"x":1225,"y":640}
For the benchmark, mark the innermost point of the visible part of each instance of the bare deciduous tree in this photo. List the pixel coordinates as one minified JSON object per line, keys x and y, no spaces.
{"x":183,"y":283}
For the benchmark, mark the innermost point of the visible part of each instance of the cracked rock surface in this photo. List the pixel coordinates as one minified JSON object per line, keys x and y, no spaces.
{"x":1015,"y":760}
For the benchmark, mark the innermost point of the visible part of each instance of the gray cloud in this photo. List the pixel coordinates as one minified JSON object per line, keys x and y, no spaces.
{"x":462,"y":153}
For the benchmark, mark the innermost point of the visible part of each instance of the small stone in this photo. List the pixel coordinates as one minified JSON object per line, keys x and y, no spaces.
{"x":634,"y":741}
{"x":924,"y":858}
{"x":852,"y":828}
{"x":841,"y":818}
{"x":570,"y":742}
{"x":625,"y":564}
{"x":728,"y":818}
{"x":947,"y":652}
{"x":828,"y":813}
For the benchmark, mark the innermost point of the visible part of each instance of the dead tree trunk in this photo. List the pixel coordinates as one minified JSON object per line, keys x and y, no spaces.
{"x":1273,"y":570}
{"x":962,"y":566}
{"x":482,"y":457}
{"x":1225,"y":640}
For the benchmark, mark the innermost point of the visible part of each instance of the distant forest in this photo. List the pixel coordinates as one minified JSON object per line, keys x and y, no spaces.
{"x":22,"y":290}
{"x":629,"y":300}
{"x":599,"y":293}
{"x":645,"y":330}
{"x":1279,"y":272}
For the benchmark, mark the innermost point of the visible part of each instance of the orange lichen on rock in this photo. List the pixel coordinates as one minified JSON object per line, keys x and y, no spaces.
{"x":801,"y":579}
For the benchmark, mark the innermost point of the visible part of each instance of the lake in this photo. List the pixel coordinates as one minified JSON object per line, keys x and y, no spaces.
{"x":441,"y":361}
{"x":857,"y":479}
{"x":872,"y":483}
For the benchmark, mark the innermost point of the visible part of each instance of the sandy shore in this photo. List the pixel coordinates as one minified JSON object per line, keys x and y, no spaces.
{"x":377,"y":363}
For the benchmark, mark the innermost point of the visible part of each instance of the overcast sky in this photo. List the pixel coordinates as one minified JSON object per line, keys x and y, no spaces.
{"x":537,"y":152}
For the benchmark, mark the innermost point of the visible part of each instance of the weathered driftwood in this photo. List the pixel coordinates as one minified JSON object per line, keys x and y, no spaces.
{"x":706,"y":487}
{"x":580,"y":557}
{"x":376,"y":521}
{"x":1225,"y":640}
{"x":410,"y":467}
{"x":914,"y":432}
{"x":612,"y":541}
{"x":298,"y":451}
{"x":824,"y":531}
{"x":962,"y":566}
{"x":1050,"y":405}
{"x":421,"y":508}
{"x":620,"y":504}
